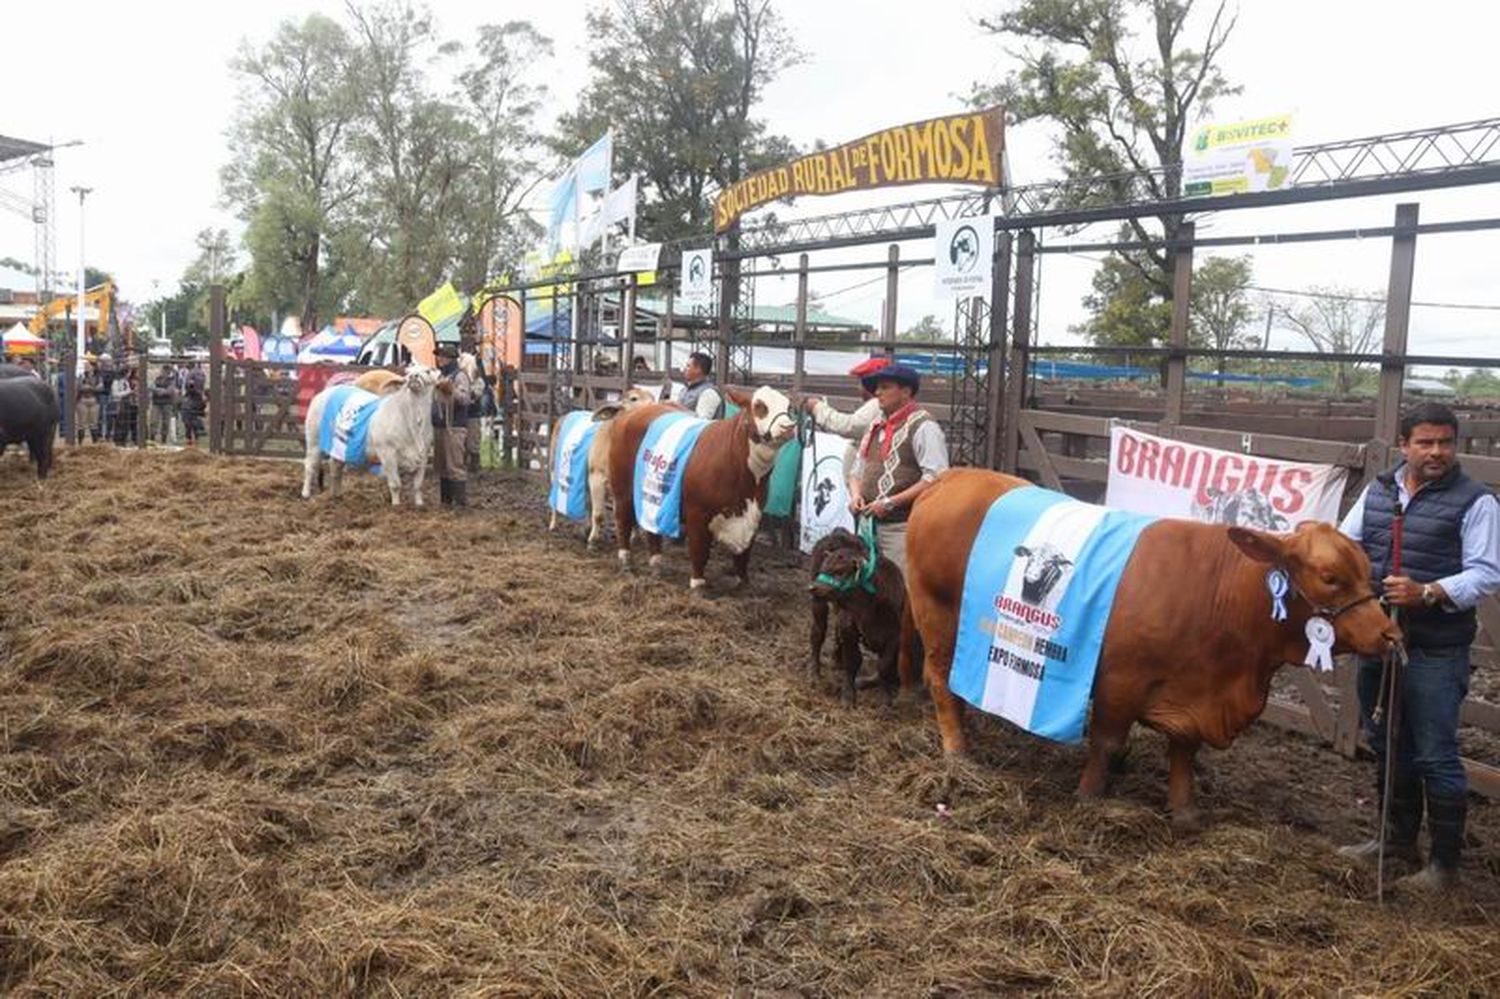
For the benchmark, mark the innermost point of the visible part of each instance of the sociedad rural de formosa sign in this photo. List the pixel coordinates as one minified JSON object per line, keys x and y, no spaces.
{"x":957,"y":149}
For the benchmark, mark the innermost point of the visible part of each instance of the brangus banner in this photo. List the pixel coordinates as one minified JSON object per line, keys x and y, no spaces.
{"x":958,"y":149}
{"x":1149,"y":474}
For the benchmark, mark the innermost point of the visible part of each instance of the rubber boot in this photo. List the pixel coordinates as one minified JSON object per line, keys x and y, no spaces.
{"x":445,"y":491}
{"x":1446,"y":816}
{"x":1404,"y":822}
{"x":460,"y":489}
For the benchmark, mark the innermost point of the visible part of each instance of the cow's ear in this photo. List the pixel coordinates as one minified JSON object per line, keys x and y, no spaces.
{"x":740,"y":399}
{"x":1258,"y":545}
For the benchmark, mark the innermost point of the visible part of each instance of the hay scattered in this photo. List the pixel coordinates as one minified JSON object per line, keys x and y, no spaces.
{"x":255,"y":746}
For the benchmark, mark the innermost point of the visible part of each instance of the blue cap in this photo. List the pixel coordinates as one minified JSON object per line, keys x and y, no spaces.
{"x":899,"y":373}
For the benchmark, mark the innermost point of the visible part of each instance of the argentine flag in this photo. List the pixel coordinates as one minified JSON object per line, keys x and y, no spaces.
{"x":660,"y":467}
{"x":570,"y":464}
{"x":1038,"y":590}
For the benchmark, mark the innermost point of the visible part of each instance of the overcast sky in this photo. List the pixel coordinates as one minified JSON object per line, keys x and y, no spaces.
{"x":146,"y":86}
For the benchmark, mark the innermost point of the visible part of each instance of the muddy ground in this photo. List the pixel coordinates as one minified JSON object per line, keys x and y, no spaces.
{"x":254,"y":746}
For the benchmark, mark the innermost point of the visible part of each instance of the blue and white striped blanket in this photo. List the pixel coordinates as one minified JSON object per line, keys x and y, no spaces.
{"x":570,"y":464}
{"x":1038,"y":590}
{"x":660,"y":467}
{"x":344,"y":429}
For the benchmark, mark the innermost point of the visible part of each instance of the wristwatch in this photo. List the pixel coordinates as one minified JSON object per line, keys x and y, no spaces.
{"x":1429,"y":595}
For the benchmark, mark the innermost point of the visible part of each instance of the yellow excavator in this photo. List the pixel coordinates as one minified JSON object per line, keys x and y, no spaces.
{"x":101,"y":295}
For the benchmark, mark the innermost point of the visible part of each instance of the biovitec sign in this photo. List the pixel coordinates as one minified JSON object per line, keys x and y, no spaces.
{"x":1243,"y":157}
{"x":958,"y":149}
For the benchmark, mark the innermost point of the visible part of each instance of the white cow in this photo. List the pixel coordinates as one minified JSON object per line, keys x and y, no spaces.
{"x":598,"y":461}
{"x":400,"y":435}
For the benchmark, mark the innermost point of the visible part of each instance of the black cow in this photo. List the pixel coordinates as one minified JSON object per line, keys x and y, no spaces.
{"x":28,"y":414}
{"x":1044,"y":570}
{"x":16,"y":371}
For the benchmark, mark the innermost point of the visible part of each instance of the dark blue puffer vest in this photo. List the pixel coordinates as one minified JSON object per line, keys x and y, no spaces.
{"x":1431,"y":549}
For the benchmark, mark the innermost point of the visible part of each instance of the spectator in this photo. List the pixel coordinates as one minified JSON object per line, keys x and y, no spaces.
{"x":87,"y":411}
{"x":194,"y":405}
{"x":163,"y":401}
{"x":126,"y":393}
{"x":107,"y":404}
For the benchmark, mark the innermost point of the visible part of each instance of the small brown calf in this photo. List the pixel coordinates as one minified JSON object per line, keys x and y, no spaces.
{"x":873,"y":620}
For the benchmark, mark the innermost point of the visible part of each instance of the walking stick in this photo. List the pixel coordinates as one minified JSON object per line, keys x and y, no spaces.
{"x":1388,"y":704}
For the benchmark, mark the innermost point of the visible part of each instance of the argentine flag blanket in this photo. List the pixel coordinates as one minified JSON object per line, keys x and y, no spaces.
{"x":1038,"y":590}
{"x":345,"y":424}
{"x":570,"y":464}
{"x":660,"y":467}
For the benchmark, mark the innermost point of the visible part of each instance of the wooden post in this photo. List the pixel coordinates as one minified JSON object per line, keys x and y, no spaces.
{"x":627,"y":336}
{"x":1182,"y":292}
{"x":664,"y":334}
{"x":142,"y":397}
{"x":1020,"y":347}
{"x":215,"y":369}
{"x":70,"y":362}
{"x":994,"y":404}
{"x":888,"y":317}
{"x":799,"y":333}
{"x":1397,"y":320}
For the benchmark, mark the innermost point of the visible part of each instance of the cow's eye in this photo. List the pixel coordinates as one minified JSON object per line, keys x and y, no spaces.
{"x":1329,"y":578}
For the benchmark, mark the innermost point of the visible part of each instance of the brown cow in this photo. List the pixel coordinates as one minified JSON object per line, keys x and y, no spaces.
{"x":724,"y":485}
{"x":1190,"y":647}
{"x":380,"y":381}
{"x":598,"y":460}
{"x":867,"y":617}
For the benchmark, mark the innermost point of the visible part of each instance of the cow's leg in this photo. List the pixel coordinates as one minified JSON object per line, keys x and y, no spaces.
{"x":624,"y":527}
{"x":552,"y":522}
{"x":312,"y":464}
{"x":818,"y":635}
{"x":950,"y":713}
{"x":850,"y":656}
{"x":742,"y":568}
{"x":598,"y":486}
{"x":653,"y":551}
{"x":700,"y":541}
{"x":889,"y":678}
{"x":1108,"y":729}
{"x":1180,"y":753}
{"x":392,"y":480}
{"x":416,"y":483}
{"x":338,"y":477}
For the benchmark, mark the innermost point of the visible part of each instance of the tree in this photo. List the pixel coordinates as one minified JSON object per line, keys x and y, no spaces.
{"x":1119,"y":106}
{"x":1221,"y":308}
{"x":290,"y":174}
{"x":927,"y":330}
{"x":677,"y":81}
{"x":1338,"y":321}
{"x":1124,"y":308}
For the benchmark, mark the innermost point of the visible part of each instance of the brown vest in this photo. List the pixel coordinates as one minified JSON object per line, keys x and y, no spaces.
{"x":899,"y":470}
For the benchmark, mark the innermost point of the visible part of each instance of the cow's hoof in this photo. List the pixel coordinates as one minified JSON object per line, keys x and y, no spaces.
{"x":698,"y":587}
{"x":1187,"y":820}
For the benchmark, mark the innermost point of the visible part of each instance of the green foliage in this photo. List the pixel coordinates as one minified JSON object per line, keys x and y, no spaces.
{"x":374,"y":160}
{"x":677,"y":81}
{"x":1120,"y":103}
{"x":1126,"y":310}
{"x":927,"y":329}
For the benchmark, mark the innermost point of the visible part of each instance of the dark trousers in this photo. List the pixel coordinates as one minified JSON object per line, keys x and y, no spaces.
{"x":1435,"y":682}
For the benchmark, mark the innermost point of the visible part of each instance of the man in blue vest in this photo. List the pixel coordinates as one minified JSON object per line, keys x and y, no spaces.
{"x":1450,"y":560}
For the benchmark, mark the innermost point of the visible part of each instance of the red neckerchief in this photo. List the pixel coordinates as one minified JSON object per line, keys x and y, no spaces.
{"x":886,"y":429}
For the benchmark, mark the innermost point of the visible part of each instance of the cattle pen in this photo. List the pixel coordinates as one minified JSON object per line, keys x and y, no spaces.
{"x":1036,"y":426}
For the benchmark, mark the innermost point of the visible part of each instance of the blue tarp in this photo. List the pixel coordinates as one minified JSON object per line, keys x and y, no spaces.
{"x":948,"y":364}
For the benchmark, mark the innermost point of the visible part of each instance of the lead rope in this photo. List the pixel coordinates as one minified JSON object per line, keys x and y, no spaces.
{"x":1390,"y":695}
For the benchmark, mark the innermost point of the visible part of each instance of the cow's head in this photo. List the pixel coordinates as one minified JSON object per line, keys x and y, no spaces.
{"x":632,"y":398}
{"x":1332,"y":574}
{"x":843,"y":558}
{"x":422,"y":380}
{"x":770,"y":412}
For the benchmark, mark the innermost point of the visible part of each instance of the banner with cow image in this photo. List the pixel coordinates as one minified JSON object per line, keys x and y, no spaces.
{"x":1038,"y":591}
{"x":824,"y":493}
{"x":1169,"y":478}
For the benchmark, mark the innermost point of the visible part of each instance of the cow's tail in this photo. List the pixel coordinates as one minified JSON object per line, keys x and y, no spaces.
{"x":908,"y":661}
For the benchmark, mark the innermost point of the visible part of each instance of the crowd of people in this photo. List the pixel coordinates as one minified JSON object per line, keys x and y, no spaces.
{"x":108,"y":402}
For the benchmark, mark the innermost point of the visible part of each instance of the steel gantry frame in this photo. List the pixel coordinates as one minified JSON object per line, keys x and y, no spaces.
{"x":15,"y":156}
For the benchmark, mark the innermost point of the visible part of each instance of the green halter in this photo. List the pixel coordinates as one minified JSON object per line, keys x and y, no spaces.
{"x":865,"y":578}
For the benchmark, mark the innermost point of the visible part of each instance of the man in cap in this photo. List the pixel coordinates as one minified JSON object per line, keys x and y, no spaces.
{"x":450,"y":419}
{"x":851,"y":425}
{"x":900,"y":456}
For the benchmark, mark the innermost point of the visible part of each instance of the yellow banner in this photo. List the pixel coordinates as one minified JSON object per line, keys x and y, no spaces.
{"x":958,"y":149}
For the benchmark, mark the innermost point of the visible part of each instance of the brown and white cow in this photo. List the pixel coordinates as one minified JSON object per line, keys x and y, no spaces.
{"x":380,"y":382}
{"x":724,"y":484}
{"x":1190,"y":646}
{"x":598,"y":459}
